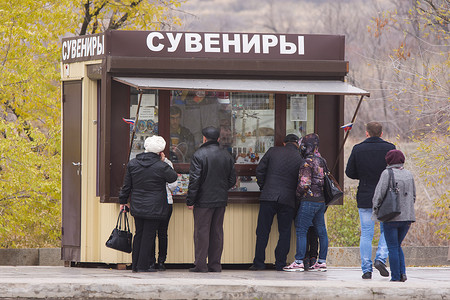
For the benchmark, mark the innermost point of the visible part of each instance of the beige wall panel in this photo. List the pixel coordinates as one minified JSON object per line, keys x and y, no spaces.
{"x":239,"y":235}
{"x":106,"y":221}
{"x":181,"y":235}
{"x":97,"y":219}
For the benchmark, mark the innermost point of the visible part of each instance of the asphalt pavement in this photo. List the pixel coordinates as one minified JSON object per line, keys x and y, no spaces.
{"x":38,"y":282}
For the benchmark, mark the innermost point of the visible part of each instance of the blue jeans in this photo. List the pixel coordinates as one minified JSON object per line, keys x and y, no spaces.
{"x":311,"y":213}
{"x":365,"y":241}
{"x":395,"y":232}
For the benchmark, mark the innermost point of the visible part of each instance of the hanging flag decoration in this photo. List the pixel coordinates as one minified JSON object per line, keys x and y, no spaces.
{"x":128,"y":121}
{"x":347,"y":127}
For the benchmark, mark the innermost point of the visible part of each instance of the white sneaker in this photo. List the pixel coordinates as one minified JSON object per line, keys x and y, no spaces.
{"x":294,"y":267}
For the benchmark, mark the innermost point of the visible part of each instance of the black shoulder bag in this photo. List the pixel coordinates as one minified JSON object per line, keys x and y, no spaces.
{"x":389,"y":208}
{"x":331,"y":189}
{"x":120,"y":238}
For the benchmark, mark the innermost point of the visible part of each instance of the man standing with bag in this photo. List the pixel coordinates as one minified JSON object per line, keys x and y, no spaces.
{"x":211,"y":175}
{"x":277,"y":176}
{"x":366,"y":163}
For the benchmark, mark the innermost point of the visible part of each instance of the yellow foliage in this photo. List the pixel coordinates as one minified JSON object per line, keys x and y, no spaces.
{"x":30,"y":122}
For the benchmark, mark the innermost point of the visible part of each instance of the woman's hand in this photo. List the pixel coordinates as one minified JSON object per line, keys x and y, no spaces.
{"x":162,"y":155}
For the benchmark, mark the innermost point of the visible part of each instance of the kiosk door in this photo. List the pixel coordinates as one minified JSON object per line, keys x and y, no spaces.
{"x":71,"y":171}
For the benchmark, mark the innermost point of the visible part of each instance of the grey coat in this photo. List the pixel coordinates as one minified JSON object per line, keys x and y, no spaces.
{"x":407,"y":193}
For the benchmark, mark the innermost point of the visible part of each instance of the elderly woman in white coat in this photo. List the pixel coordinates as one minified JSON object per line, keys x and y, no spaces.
{"x":396,"y":228}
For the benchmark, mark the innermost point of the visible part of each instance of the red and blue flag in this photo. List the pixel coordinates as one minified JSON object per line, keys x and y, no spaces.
{"x":347,"y":127}
{"x":128,"y":121}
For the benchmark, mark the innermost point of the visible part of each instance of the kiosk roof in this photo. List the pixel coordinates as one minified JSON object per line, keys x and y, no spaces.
{"x":318,"y":87}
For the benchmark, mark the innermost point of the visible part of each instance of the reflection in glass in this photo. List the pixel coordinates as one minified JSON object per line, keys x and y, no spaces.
{"x":147,"y":123}
{"x":300,"y":114}
{"x":246,"y":122}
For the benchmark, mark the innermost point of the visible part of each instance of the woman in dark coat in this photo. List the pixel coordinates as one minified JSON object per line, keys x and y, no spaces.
{"x":396,"y":229}
{"x":145,"y":184}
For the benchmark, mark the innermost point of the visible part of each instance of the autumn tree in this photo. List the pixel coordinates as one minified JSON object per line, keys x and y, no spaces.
{"x":30,"y":125}
{"x":419,"y":88}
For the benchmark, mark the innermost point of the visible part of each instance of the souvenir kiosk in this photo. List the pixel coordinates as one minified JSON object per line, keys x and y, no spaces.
{"x":120,"y":87}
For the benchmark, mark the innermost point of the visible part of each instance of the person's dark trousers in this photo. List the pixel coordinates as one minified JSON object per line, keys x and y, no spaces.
{"x":144,"y":238}
{"x":394,"y":233}
{"x":312,"y":243}
{"x":285,"y":215}
{"x":208,"y":238}
{"x":162,"y":240}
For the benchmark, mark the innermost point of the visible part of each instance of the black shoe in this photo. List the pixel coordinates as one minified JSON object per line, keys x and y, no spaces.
{"x":197,"y":270}
{"x":214,"y":270}
{"x":161,"y":267}
{"x":382,"y":268}
{"x":254,"y":268}
{"x":147,"y":270}
{"x":306,"y":264}
{"x":367,"y":275}
{"x":403,"y":278}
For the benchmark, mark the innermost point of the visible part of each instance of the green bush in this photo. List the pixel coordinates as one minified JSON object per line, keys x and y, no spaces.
{"x":343,"y":222}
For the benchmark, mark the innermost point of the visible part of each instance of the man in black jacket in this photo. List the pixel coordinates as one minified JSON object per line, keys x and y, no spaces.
{"x":366,"y":163}
{"x":277,"y":177}
{"x":211,"y":175}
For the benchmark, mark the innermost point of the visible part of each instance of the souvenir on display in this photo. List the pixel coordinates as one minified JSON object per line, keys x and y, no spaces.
{"x":141,"y":126}
{"x":150,"y":126}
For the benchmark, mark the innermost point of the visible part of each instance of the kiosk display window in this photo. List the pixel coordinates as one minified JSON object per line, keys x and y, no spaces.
{"x":246,"y":122}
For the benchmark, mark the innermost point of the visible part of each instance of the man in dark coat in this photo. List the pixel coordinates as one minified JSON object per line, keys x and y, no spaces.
{"x":211,"y":175}
{"x":145,"y":184}
{"x":277,"y":176}
{"x":366,"y":163}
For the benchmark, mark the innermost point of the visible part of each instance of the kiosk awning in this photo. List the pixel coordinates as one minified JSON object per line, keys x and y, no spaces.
{"x":317,"y":87}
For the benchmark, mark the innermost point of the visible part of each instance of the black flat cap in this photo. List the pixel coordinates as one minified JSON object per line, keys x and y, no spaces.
{"x":291,"y":138}
{"x":211,"y":133}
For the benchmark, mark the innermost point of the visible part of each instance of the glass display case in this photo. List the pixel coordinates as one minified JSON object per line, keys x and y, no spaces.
{"x":246,"y":122}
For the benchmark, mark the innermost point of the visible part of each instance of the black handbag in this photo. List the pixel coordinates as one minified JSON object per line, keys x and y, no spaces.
{"x":389,"y":208}
{"x":331,"y":189}
{"x":121,"y":238}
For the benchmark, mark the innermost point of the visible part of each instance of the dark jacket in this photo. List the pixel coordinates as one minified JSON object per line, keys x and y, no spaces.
{"x":211,"y":175}
{"x":366,"y":163}
{"x":145,"y":180}
{"x":277,"y":174}
{"x":311,"y":178}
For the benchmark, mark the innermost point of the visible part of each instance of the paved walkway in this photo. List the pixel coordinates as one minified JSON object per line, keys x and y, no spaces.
{"x":32,"y":282}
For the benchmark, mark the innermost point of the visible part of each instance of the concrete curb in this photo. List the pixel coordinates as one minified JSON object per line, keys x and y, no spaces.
{"x":33,"y":282}
{"x":337,"y":256}
{"x":414,"y":256}
{"x":31,"y":257}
